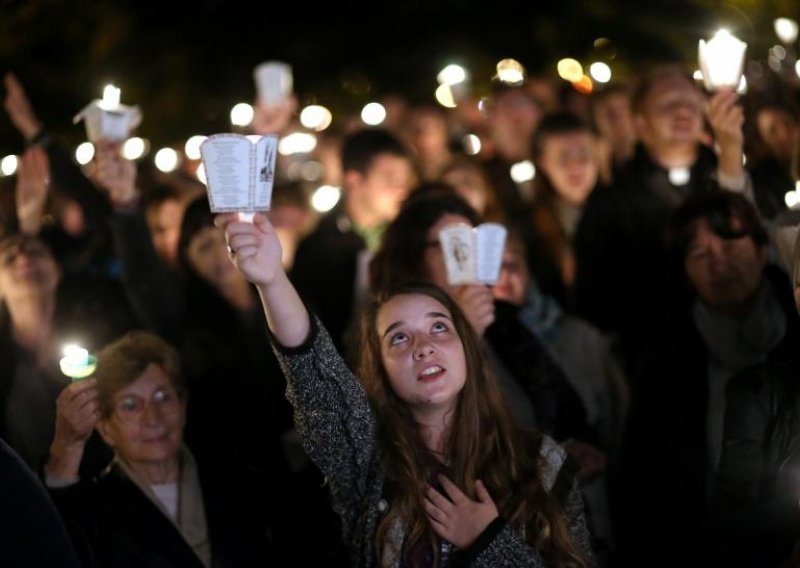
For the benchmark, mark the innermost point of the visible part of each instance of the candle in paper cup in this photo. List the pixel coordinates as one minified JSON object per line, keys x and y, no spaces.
{"x":274,"y":82}
{"x":107,"y":118}
{"x":721,"y":60}
{"x":77,"y":363}
{"x":111,"y":98}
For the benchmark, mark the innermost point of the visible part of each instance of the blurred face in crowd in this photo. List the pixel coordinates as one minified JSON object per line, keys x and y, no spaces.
{"x":428,"y":132}
{"x":471,"y":184}
{"x":512,"y":284}
{"x":672,"y":113}
{"x":374,"y":197}
{"x":145,"y":423}
{"x":435,"y":266}
{"x":513,"y":119}
{"x":27,"y":269}
{"x":726,"y":273}
{"x":780,"y":133}
{"x":614,"y":118}
{"x":71,"y":217}
{"x":569,"y":160}
{"x":421,"y":352}
{"x":164,"y":221}
{"x":207,"y":254}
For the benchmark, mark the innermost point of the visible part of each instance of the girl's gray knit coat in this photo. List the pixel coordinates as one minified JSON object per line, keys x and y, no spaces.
{"x":337,"y":426}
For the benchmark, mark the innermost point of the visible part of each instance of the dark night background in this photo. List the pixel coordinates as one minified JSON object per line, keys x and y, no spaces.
{"x":186,"y":63}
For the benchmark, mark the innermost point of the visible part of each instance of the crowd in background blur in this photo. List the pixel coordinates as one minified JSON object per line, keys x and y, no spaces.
{"x":647,"y":282}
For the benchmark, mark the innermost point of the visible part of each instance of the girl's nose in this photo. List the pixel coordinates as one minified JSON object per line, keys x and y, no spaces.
{"x":423,"y":350}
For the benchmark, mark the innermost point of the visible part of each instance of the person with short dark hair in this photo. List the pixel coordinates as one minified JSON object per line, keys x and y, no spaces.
{"x":330,"y":263}
{"x":568,"y":172}
{"x":734,"y":309}
{"x":774,"y":157}
{"x":619,"y":247}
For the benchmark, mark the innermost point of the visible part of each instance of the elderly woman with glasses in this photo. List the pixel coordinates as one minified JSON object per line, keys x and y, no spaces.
{"x":155,"y":505}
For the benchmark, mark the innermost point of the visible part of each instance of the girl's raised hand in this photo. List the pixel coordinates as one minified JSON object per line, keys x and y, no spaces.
{"x":253,"y":247}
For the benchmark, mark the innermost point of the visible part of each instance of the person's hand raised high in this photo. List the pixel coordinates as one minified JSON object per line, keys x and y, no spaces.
{"x":19,"y":108}
{"x":253,"y":247}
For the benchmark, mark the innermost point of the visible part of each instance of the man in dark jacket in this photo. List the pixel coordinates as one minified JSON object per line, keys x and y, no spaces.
{"x":330,"y":264}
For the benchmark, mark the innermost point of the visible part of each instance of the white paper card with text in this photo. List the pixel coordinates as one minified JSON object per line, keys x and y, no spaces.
{"x":240,"y":171}
{"x":473,"y":254}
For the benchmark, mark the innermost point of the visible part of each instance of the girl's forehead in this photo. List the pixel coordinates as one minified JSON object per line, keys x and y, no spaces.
{"x":408,"y":306}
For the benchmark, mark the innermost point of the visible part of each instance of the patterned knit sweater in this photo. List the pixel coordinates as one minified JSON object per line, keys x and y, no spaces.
{"x":338,"y":430}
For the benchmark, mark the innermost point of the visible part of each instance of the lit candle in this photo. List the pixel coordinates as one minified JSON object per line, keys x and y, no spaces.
{"x":76,"y":355}
{"x":510,"y":71}
{"x":76,"y":362}
{"x":107,"y":118}
{"x":722,"y":60}
{"x":111,"y":98}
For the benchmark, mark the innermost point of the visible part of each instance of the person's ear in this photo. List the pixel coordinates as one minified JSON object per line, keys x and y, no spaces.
{"x":104,"y":429}
{"x":352,"y":179}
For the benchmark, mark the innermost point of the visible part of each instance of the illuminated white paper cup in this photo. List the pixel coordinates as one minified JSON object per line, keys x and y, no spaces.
{"x":104,"y":124}
{"x":77,"y":363}
{"x":274,"y":82}
{"x":721,"y":60}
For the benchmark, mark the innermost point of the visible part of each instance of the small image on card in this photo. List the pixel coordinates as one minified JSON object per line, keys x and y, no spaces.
{"x":458,"y":246}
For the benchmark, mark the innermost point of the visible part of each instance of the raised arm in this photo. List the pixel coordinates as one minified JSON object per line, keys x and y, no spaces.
{"x":331,"y":411}
{"x":77,"y":413}
{"x":153,"y":288}
{"x":19,"y":109}
{"x":33,"y":181}
{"x":726,"y":119}
{"x":256,"y":252}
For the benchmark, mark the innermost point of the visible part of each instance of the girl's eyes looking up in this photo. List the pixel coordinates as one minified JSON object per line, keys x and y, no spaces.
{"x":399,"y":338}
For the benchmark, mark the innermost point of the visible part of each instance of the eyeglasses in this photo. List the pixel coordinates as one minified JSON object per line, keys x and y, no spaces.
{"x":31,"y":249}
{"x":131,"y":407}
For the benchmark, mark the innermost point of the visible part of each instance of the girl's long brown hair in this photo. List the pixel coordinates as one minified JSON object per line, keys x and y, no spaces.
{"x":483,"y":443}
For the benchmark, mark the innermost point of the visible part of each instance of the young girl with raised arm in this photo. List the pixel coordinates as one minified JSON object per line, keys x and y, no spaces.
{"x":425,"y":467}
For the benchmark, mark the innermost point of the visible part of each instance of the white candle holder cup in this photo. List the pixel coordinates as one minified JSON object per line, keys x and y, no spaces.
{"x":78,"y":370}
{"x":721,"y":61}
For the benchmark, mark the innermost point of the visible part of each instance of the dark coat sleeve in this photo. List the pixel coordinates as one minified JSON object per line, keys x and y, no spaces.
{"x":559,"y":410}
{"x":33,"y":533}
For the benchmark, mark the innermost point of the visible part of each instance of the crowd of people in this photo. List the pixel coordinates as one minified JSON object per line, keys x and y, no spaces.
{"x":310,"y":388}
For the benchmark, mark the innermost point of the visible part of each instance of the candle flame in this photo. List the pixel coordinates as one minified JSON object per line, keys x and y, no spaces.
{"x":111,"y":97}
